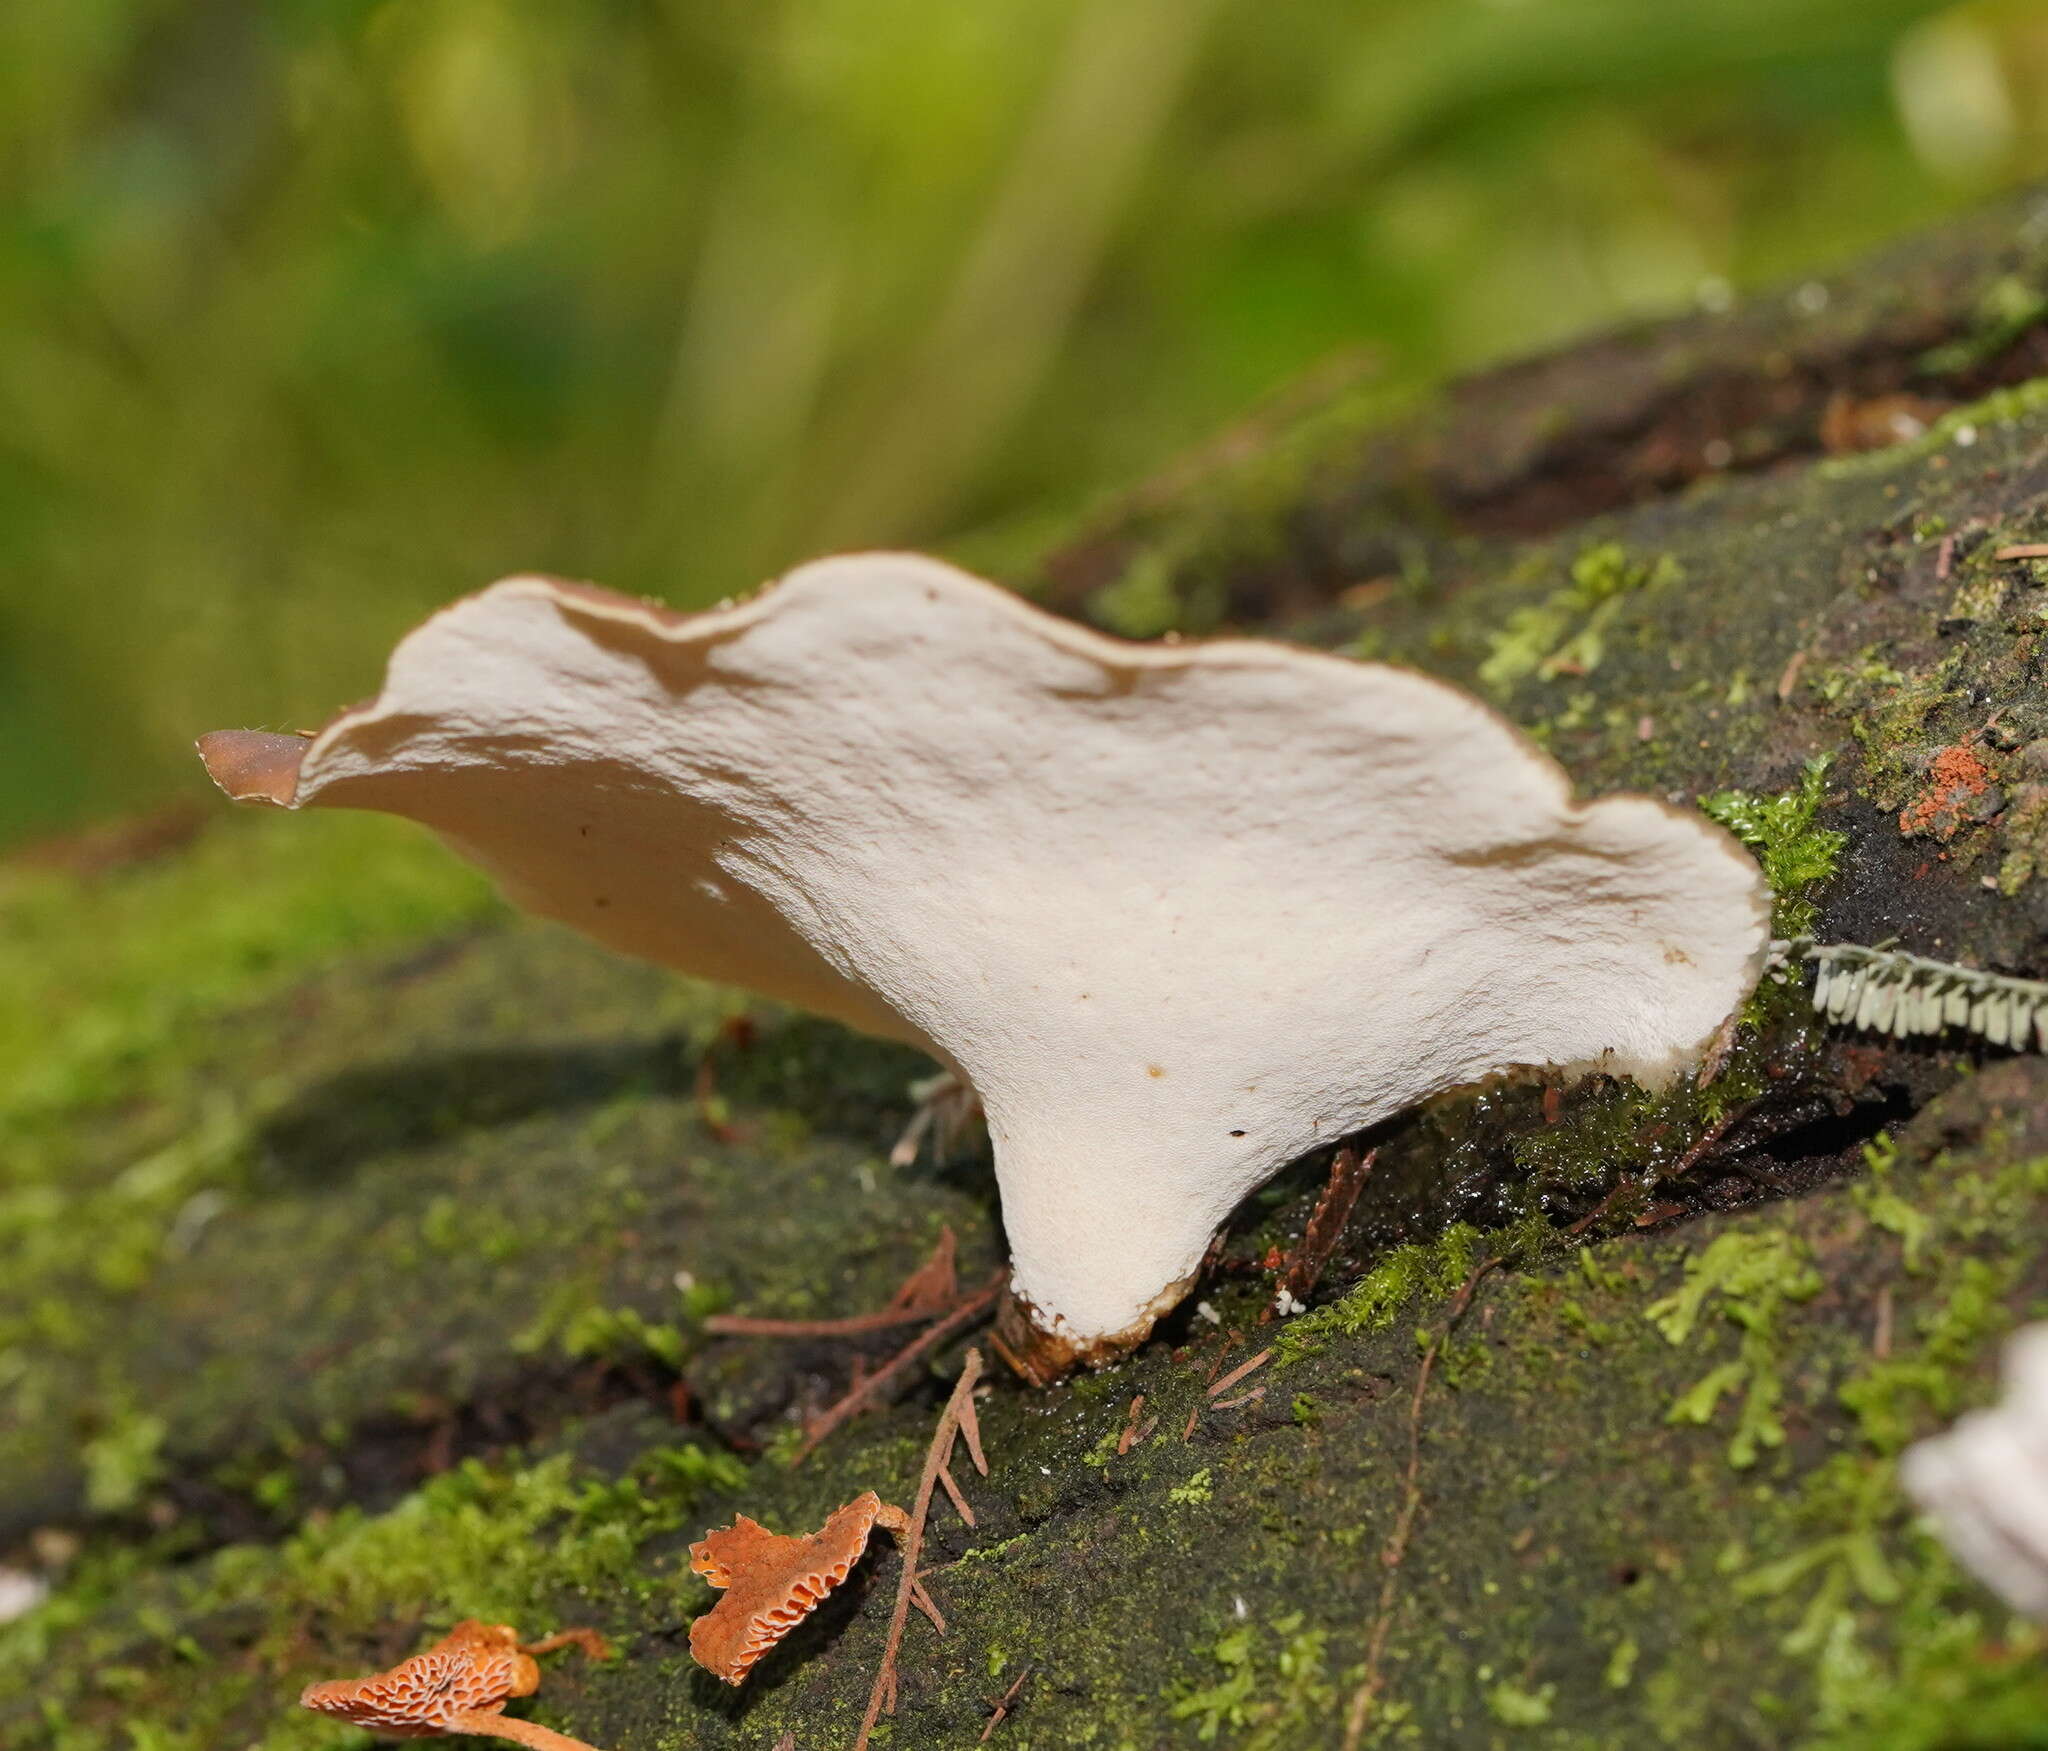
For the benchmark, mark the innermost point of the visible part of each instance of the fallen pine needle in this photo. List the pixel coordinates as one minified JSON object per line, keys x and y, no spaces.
{"x":1003,"y":1708}
{"x":1395,"y":1550}
{"x":911,"y":1542}
{"x":1239,"y":1372}
{"x":856,"y":1398}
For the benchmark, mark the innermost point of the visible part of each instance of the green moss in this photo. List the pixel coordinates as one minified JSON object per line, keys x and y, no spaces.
{"x":1566,"y":632}
{"x":2006,"y":309}
{"x":111,"y":982}
{"x":1513,"y":1706}
{"x":533,"y":1545}
{"x":123,"y":1461}
{"x":1143,"y":603}
{"x":619,"y":1334}
{"x":1797,"y":855}
{"x":2002,"y":407}
{"x":1267,"y":1699}
{"x":1752,"y":1276}
{"x":1404,"y":1275}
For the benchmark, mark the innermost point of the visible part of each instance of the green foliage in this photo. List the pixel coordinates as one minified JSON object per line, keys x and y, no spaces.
{"x":1797,"y":855}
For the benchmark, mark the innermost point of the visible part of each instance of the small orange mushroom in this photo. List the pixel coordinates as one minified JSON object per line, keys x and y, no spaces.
{"x":772,"y":1583}
{"x":459,"y":1685}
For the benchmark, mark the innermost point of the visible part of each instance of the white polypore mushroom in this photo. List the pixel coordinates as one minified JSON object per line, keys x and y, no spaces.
{"x":1985,"y":1481}
{"x":1179,"y":913}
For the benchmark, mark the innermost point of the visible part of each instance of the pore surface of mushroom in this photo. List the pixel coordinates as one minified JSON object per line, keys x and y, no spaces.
{"x":1178,"y":913}
{"x":772,"y":1583}
{"x":459,"y":1685}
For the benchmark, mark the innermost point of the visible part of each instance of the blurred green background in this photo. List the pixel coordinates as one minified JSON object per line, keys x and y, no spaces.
{"x":315,"y":313}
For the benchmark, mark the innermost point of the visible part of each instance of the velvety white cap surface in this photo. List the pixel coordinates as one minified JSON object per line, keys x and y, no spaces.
{"x":1180,"y":913}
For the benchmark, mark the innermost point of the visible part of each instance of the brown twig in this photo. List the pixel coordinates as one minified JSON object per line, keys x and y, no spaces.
{"x":1231,"y":1404}
{"x":1003,"y":1708}
{"x":911,"y":1540}
{"x":2023,"y":550}
{"x":1348,"y":1173}
{"x":975,"y":1307}
{"x":1395,"y":1551}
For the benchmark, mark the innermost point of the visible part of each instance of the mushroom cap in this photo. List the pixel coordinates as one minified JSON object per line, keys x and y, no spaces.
{"x":474,"y":1669}
{"x":1984,"y":1481}
{"x":1179,"y":913}
{"x":773,"y":1583}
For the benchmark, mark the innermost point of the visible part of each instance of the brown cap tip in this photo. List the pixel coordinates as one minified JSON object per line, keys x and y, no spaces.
{"x":254,"y":766}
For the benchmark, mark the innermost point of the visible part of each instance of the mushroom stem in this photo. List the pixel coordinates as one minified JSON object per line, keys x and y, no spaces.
{"x":487,"y":1724}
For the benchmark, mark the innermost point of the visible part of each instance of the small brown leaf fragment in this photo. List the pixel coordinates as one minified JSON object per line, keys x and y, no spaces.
{"x":1130,"y":1428}
{"x":1849,"y":424}
{"x":1789,"y":679}
{"x":1231,"y":1404}
{"x":772,"y":1583}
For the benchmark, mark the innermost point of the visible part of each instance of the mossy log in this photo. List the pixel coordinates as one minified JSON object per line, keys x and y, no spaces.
{"x":360,"y":1236}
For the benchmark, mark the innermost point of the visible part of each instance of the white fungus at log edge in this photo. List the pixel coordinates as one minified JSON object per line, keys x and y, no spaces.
{"x":1178,"y":913}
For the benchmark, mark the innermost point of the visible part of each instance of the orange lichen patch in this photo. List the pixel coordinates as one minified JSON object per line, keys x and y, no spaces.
{"x":773,"y":1583}
{"x":459,"y":1685}
{"x":1955,"y":782}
